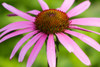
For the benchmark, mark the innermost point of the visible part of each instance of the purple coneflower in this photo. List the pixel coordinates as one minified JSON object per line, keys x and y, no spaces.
{"x":45,"y":25}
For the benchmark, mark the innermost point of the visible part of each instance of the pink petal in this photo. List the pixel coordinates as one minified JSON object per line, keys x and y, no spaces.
{"x":36,"y":50}
{"x":51,"y":54}
{"x":62,"y":39}
{"x":87,"y":21}
{"x":16,"y":33}
{"x":18,"y":12}
{"x":15,"y":28}
{"x":16,"y":24}
{"x":66,"y":5}
{"x":27,"y":46}
{"x":78,"y":28}
{"x":43,"y":5}
{"x":85,"y":39}
{"x":77,"y":51}
{"x":79,"y":9}
{"x":34,"y":12}
{"x":19,"y":44}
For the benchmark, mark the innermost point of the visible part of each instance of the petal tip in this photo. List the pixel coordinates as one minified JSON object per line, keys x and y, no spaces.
{"x":4,"y":3}
{"x":0,"y":41}
{"x":0,"y":30}
{"x":88,"y":1}
{"x":88,"y":64}
{"x":19,"y":60}
{"x":10,"y":58}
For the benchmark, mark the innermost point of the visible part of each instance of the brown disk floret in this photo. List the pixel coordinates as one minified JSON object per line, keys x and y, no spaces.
{"x":52,"y":21}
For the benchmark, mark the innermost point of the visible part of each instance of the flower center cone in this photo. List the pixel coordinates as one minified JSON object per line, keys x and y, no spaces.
{"x":52,"y":21}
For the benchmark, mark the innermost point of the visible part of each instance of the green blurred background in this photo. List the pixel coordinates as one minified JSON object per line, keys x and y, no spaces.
{"x":65,"y":59}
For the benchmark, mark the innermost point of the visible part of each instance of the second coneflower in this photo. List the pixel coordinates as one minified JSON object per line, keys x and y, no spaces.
{"x":48,"y":23}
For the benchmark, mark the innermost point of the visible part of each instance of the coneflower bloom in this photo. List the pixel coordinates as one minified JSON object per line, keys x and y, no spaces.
{"x":45,"y":25}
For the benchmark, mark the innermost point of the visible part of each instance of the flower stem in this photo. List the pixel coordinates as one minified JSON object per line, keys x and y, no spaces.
{"x":57,"y":51}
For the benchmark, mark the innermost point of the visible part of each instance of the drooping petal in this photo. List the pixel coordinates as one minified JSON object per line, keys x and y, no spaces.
{"x":16,"y":33}
{"x":19,"y":44}
{"x":79,"y":9}
{"x":15,"y":28}
{"x":16,"y":24}
{"x":18,"y":12}
{"x":36,"y":50}
{"x":66,"y":5}
{"x":34,"y":12}
{"x":79,"y":28}
{"x":51,"y":54}
{"x":77,"y":51}
{"x":10,"y":15}
{"x":44,"y":6}
{"x":85,"y":39}
{"x":27,"y":46}
{"x":62,"y":39}
{"x":86,"y":21}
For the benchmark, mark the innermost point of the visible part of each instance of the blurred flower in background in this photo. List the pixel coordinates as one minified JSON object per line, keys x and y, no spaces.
{"x":61,"y":36}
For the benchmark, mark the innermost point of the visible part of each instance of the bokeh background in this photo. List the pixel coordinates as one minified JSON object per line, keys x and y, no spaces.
{"x":65,"y":59}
